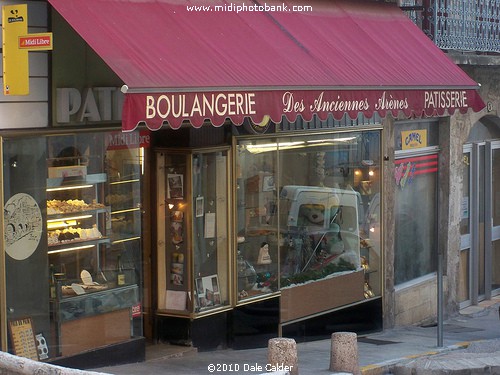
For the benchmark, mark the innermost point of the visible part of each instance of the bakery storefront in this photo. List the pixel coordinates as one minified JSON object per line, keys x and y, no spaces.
{"x":72,"y":194}
{"x":268,"y":159}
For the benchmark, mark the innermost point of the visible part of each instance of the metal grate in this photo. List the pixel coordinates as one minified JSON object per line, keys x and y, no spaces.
{"x":458,"y":24}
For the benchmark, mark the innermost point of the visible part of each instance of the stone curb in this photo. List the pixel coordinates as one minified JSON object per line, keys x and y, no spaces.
{"x":386,"y":367}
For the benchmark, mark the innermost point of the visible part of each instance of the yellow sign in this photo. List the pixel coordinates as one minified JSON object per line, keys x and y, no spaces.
{"x":16,"y":44}
{"x":413,"y":139}
{"x":36,"y":42}
{"x":15,"y":60}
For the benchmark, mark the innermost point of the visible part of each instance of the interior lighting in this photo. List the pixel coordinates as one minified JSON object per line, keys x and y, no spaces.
{"x":69,"y":187}
{"x":70,"y":249}
{"x":69,"y":218}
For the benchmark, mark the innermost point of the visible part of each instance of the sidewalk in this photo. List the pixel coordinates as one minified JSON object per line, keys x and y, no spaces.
{"x":379,"y":353}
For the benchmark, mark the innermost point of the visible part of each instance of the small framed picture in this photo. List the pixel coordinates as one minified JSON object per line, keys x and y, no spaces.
{"x":200,"y":210}
{"x":268,"y":183}
{"x":177,"y":216}
{"x":208,"y":291}
{"x":175,"y":186}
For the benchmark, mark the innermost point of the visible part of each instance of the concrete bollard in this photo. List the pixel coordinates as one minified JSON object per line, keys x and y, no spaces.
{"x":344,"y":353}
{"x":282,"y":355}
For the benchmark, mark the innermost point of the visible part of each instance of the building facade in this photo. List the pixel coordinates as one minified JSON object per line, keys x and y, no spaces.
{"x":231,"y":200}
{"x":469,"y":232}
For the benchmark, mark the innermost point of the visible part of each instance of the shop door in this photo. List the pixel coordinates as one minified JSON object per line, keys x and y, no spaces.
{"x":480,"y":224}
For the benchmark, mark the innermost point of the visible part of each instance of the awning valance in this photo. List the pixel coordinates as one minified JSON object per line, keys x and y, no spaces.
{"x":208,"y":59}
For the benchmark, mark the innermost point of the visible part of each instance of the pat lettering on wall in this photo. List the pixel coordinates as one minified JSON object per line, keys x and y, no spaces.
{"x":92,"y":104}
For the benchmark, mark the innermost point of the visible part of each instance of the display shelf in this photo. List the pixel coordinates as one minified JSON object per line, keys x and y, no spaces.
{"x":124,"y":198}
{"x":65,"y":182}
{"x":78,"y":213}
{"x":76,"y":245}
{"x":125,"y":223}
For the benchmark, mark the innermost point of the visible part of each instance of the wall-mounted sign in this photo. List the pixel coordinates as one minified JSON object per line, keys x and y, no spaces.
{"x":16,"y":44}
{"x":36,"y":42}
{"x":92,"y":104}
{"x":412,"y":139}
{"x":15,"y":60}
{"x":23,"y":226}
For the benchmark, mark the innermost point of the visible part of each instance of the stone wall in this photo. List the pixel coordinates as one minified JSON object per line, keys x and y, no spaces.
{"x":416,"y":301}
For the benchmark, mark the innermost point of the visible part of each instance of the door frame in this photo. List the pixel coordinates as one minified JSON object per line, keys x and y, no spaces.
{"x":472,"y":240}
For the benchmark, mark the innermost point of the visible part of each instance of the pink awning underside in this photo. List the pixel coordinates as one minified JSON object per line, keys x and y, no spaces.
{"x":341,"y":57}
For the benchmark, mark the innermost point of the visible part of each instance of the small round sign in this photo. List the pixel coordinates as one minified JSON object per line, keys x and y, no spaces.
{"x":22,"y":226}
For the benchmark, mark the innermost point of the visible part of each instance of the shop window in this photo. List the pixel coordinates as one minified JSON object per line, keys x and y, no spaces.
{"x":415,"y":214}
{"x":415,"y":176}
{"x":311,"y":203}
{"x":78,"y":200}
{"x":257,"y":203}
{"x":192,"y":227}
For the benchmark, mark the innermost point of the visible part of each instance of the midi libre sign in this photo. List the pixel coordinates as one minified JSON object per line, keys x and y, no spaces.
{"x":41,"y":41}
{"x":16,"y":45}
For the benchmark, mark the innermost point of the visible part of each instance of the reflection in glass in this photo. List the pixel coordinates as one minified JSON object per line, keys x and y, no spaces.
{"x":210,"y":246}
{"x":415,"y":215}
{"x":314,"y":202}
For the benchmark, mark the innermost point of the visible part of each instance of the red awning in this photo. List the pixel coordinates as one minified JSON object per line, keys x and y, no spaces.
{"x":213,"y":59}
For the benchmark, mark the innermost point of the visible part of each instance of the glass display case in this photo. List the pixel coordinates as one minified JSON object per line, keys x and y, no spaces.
{"x":78,"y":225}
{"x":123,"y":196}
{"x":193,"y":231}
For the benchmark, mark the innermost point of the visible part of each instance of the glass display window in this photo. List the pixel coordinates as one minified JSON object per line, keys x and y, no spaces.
{"x":415,"y":177}
{"x":415,"y":230}
{"x":82,"y":269}
{"x":257,"y":231}
{"x":193,"y":231}
{"x":310,"y":204}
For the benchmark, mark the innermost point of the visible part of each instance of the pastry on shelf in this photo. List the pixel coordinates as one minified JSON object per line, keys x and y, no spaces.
{"x":56,"y":206}
{"x":71,"y":234}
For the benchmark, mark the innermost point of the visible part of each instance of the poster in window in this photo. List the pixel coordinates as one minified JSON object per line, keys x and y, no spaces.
{"x":175,"y":300}
{"x":200,"y":211}
{"x":210,"y":225}
{"x":268,"y":183}
{"x":23,"y":339}
{"x":207,"y":291}
{"x":177,"y":232}
{"x":177,"y":273}
{"x":175,"y":186}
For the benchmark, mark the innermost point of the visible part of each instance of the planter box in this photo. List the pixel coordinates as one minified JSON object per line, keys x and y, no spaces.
{"x":321,"y":295}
